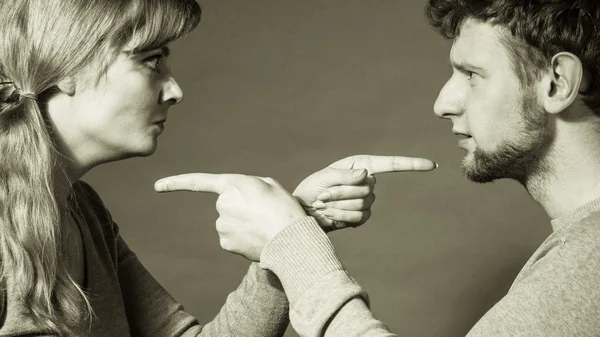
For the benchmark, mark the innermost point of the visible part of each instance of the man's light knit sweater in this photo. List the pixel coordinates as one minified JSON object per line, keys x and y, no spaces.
{"x":557,"y":293}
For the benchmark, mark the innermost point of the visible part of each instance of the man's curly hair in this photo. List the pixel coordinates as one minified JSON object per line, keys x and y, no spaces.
{"x":539,"y":29}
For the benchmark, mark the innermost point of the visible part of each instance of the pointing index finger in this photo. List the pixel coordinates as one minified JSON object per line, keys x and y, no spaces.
{"x":382,"y":164}
{"x":195,"y":182}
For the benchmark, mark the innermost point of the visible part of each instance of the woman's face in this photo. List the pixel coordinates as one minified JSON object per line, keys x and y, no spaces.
{"x":119,"y":115}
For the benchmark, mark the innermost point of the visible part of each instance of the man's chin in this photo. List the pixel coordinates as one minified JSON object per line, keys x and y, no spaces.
{"x":475,"y":173}
{"x":479,"y":178}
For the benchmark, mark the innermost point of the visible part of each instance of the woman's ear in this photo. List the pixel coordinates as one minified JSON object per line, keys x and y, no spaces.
{"x":67,"y":86}
{"x":564,"y":80}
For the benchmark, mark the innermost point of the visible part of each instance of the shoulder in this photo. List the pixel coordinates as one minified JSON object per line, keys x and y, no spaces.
{"x":87,"y":197}
{"x":571,"y":266}
{"x":90,"y":204}
{"x":85,"y":191}
{"x":578,"y":245}
{"x":568,"y":261}
{"x":585,"y":231}
{"x":556,"y":296}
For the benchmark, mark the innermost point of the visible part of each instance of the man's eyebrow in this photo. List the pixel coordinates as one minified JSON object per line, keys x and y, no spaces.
{"x":465,"y":67}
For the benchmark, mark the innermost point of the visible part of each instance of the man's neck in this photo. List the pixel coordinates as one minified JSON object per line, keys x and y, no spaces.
{"x":572,"y":181}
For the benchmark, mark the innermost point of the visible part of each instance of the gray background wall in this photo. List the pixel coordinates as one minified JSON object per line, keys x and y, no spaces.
{"x":282,"y":89}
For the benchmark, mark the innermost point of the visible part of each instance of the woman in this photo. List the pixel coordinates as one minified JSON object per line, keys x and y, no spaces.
{"x":85,"y":83}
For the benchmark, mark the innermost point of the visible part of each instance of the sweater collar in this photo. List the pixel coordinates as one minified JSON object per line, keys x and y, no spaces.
{"x":577,"y":214}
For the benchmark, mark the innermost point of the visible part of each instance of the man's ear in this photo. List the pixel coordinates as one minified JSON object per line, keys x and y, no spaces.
{"x":562,"y":82}
{"x":67,"y":86}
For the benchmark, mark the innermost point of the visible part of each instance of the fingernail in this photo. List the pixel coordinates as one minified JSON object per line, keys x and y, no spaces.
{"x":358,"y":173}
{"x":339,"y":224}
{"x":318,"y":204}
{"x":324,"y":196}
{"x":328,"y":213}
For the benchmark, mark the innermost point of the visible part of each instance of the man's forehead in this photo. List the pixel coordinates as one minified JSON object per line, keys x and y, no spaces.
{"x":478,"y":43}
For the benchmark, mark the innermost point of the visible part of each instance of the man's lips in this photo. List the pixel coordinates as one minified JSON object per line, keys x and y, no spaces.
{"x":464,"y":142}
{"x":461,"y":133}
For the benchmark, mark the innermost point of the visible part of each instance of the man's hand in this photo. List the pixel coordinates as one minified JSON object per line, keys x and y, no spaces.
{"x":252,"y":210}
{"x":341,"y":194}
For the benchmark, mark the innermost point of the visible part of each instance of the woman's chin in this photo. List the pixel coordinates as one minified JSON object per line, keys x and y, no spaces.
{"x":148,"y":151}
{"x":142,"y":150}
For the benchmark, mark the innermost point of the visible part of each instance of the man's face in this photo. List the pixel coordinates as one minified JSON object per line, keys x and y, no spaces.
{"x":505,"y":129}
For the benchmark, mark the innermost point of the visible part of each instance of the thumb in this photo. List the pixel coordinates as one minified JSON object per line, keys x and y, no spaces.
{"x":334,"y":177}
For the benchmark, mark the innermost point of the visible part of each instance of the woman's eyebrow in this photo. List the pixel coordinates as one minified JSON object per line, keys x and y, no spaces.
{"x":166,"y":51}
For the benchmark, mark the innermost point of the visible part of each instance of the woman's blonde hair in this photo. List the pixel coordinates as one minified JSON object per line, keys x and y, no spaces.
{"x":43,"y":42}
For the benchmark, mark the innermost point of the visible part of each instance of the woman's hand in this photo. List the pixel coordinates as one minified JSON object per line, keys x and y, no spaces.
{"x":341,"y":195}
{"x":252,"y":210}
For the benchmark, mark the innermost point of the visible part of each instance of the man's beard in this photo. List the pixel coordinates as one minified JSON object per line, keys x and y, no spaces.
{"x":518,"y":158}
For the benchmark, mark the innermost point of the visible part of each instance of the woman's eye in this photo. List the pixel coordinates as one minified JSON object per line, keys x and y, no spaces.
{"x":153,"y":62}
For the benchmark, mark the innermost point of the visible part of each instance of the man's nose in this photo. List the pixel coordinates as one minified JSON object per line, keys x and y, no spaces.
{"x":450,"y":102}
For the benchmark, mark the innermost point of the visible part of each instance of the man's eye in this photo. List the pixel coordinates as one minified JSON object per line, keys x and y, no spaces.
{"x":471,"y":75}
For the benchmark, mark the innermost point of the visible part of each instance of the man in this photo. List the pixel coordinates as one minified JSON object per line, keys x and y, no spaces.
{"x":525,"y":97}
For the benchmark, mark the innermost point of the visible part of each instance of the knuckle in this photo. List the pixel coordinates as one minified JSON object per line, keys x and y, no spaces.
{"x":220,"y":204}
{"x":365,"y":190}
{"x":357,"y":216}
{"x":396,"y":163}
{"x":369,"y":201}
{"x":359,"y":223}
{"x":333,"y":213}
{"x":361,"y":203}
{"x":336,"y":193}
{"x":224,"y":243}
{"x":220,"y":226}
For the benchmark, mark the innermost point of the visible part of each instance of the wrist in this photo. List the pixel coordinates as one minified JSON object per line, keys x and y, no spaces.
{"x":291,"y":218}
{"x":300,"y":255}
